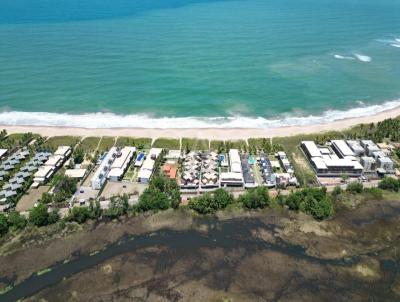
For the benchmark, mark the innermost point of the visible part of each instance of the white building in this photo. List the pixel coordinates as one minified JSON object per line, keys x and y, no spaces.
{"x":42,"y":175}
{"x":356,"y":147}
{"x":101,"y":173}
{"x":121,"y":163}
{"x":341,"y":148}
{"x":368,"y":163}
{"x":75,"y":173}
{"x":55,"y":161}
{"x":147,"y":168}
{"x":235,"y":176}
{"x":385,"y":163}
{"x":64,"y":151}
{"x":330,"y":164}
{"x":369,"y":146}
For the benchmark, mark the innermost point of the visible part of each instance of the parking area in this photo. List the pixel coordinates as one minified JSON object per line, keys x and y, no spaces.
{"x":30,"y":198}
{"x":119,"y":188}
{"x":86,"y":193}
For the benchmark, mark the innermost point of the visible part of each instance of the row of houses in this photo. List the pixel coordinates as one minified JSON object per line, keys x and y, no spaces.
{"x":17,"y":182}
{"x":52,"y":164}
{"x":12,"y":161}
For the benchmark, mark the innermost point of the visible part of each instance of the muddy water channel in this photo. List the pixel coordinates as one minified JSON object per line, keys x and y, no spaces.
{"x":261,"y":257}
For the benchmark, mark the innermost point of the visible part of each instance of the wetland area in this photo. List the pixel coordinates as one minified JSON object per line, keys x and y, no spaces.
{"x":266,"y":255}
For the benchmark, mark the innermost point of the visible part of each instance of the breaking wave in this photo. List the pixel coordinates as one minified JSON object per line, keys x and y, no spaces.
{"x":111,"y":120}
{"x":363,"y":58}
{"x":340,"y":57}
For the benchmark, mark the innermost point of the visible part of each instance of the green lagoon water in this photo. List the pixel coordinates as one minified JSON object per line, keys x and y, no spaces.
{"x":248,"y":63}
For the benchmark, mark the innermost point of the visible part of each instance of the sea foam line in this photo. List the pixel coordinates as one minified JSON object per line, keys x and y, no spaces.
{"x":111,"y":120}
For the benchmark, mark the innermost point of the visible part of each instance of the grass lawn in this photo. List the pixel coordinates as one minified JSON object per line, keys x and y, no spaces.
{"x":167,"y":143}
{"x":89,"y":144}
{"x":106,"y":143}
{"x":138,"y":142}
{"x":194,"y":144}
{"x":303,"y":171}
{"x":55,"y":141}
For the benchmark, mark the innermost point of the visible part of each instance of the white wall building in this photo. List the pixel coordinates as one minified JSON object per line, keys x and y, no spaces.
{"x":121,"y":163}
{"x":147,"y":168}
{"x":101,"y":173}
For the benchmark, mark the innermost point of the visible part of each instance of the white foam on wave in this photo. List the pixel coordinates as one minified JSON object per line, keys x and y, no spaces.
{"x":111,"y":120}
{"x":363,"y":58}
{"x":395,"y":45}
{"x":340,"y":57}
{"x":397,"y":40}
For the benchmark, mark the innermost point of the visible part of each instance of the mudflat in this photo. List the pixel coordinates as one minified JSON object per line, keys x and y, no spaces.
{"x":265,"y":255}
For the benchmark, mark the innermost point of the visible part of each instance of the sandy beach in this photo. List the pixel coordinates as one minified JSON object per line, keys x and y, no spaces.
{"x":206,"y":133}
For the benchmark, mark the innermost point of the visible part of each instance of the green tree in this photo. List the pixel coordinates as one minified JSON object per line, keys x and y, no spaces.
{"x":3,"y":224}
{"x":46,"y":198}
{"x":39,"y":215}
{"x":255,"y":198}
{"x":16,"y":221}
{"x":79,"y":155}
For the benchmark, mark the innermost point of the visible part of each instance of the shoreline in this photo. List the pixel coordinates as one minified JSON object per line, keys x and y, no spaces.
{"x":205,"y":133}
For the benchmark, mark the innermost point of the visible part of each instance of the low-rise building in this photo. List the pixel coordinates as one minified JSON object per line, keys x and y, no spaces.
{"x":331,"y":164}
{"x":147,"y":168}
{"x":100,"y":176}
{"x":121,"y":163}
{"x":43,"y":174}
{"x":368,"y":163}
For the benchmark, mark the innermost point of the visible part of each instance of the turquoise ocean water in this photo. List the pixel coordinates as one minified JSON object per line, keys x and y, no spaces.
{"x":188,"y":63}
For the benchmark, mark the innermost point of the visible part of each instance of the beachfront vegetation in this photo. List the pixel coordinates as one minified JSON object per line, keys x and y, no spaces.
{"x":217,"y":145}
{"x":386,"y":129}
{"x":139,"y":142}
{"x":194,"y":144}
{"x":53,"y":142}
{"x":106,"y":143}
{"x":167,"y":143}
{"x":89,"y":144}
{"x":15,"y":140}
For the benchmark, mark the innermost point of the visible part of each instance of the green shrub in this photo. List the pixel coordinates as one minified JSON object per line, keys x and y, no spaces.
{"x":39,"y":215}
{"x":16,"y":221}
{"x":312,"y":201}
{"x":210,"y":203}
{"x":162,"y":193}
{"x":355,"y":187}
{"x":389,"y":184}
{"x":255,"y":198}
